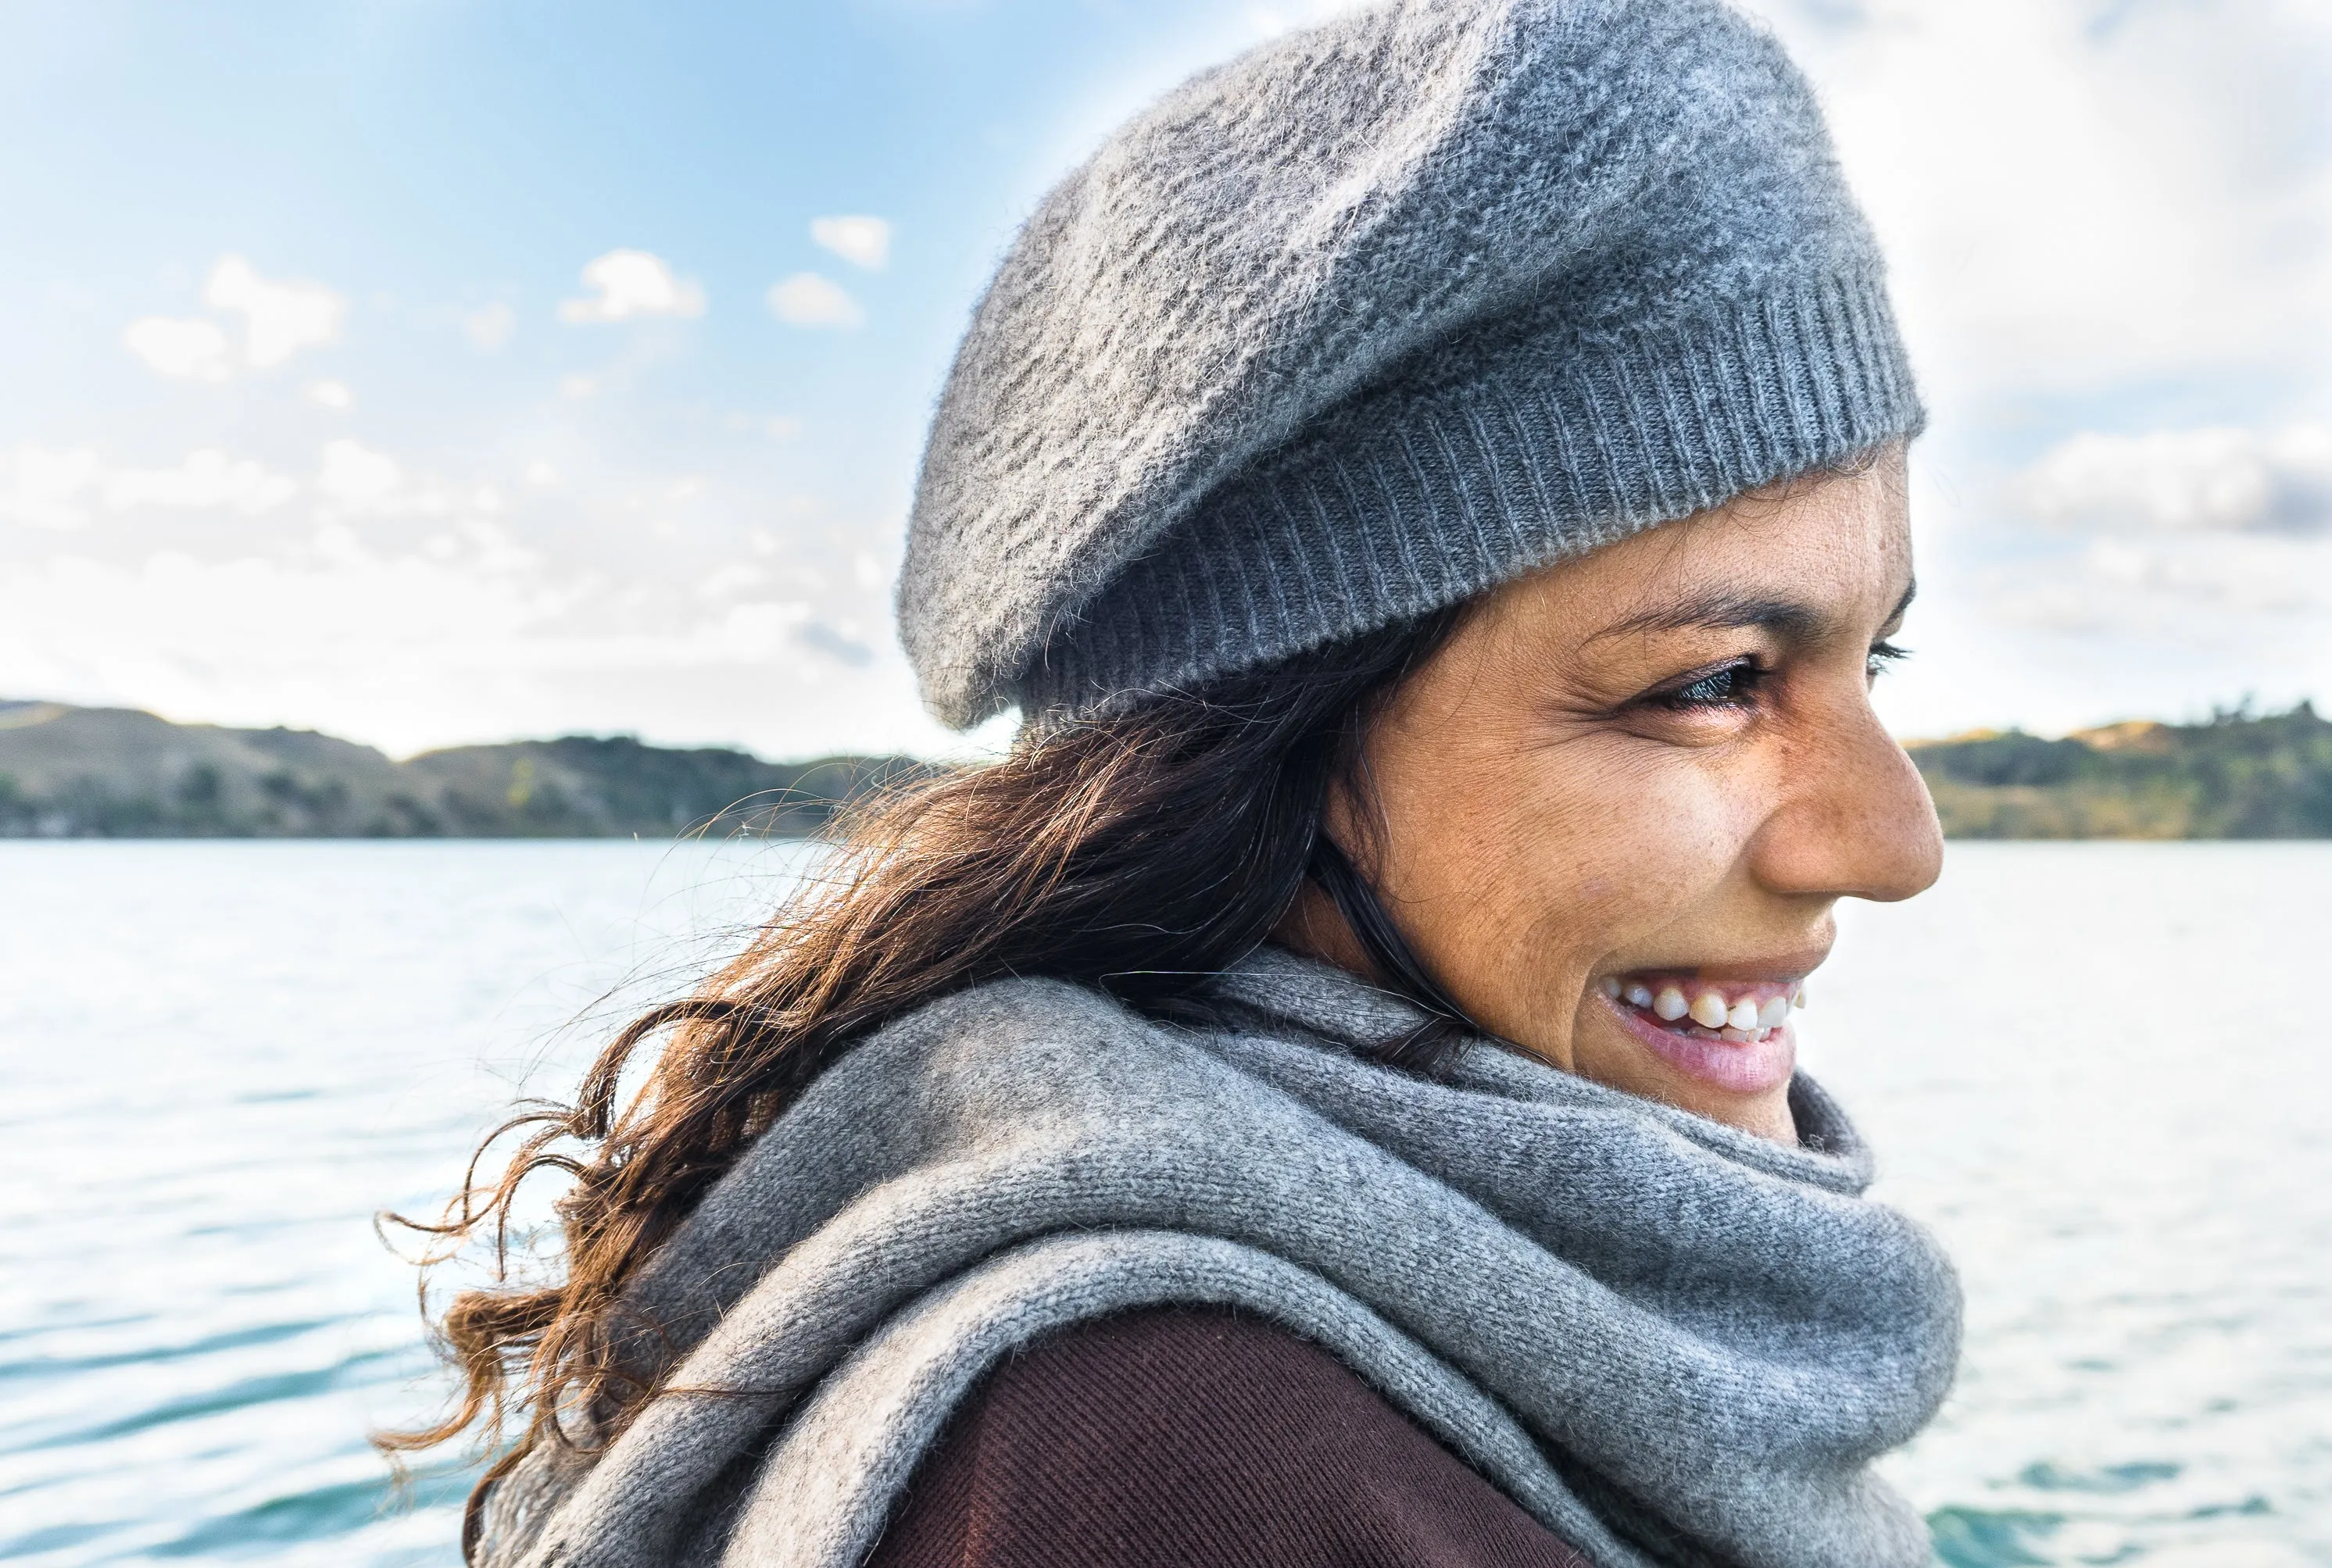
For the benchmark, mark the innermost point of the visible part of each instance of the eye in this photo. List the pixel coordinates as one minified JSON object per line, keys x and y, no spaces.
{"x":1733,"y":685}
{"x":1882,"y":654}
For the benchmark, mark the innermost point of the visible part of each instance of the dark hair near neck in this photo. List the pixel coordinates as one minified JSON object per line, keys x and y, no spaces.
{"x":1142,"y":853}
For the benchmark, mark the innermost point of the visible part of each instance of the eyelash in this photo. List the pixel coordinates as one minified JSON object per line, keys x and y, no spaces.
{"x":1740,"y":679}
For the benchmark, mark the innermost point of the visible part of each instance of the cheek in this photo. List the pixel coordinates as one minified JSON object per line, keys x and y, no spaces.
{"x":1517,"y":885}
{"x":1622,"y":851}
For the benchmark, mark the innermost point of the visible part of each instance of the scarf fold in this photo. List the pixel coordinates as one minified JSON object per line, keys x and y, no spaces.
{"x":1671,"y":1342}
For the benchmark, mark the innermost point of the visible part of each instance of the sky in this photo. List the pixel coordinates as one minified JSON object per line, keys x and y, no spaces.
{"x":435,"y":371}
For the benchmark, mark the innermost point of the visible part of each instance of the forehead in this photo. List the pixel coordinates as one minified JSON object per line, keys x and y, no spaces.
{"x":1840,"y":544}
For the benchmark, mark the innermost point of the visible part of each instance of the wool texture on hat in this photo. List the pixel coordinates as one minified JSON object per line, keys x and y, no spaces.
{"x":1375,"y":317}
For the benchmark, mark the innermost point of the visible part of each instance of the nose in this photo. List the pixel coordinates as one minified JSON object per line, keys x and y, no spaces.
{"x":1856,"y":819}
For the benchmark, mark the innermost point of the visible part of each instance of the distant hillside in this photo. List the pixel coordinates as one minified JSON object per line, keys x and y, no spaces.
{"x":115,"y":773}
{"x":2238,"y":776}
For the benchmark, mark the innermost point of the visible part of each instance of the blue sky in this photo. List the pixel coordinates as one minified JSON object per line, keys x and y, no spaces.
{"x":437,"y":370}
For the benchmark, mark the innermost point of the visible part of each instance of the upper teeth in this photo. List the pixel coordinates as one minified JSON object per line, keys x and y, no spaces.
{"x":1748,"y":1017}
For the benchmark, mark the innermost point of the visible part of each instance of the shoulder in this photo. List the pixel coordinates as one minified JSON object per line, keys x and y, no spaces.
{"x":1015,"y":1004}
{"x":992,"y":1052}
{"x":1201,"y":1438}
{"x":1005,"y":1020}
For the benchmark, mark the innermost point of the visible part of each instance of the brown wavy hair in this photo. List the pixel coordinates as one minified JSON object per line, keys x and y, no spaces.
{"x":1139,"y":853}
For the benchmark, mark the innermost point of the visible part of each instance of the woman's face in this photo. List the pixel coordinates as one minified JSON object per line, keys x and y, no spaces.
{"x":1619,"y":803}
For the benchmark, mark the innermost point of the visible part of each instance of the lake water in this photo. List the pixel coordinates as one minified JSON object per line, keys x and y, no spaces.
{"x":2101,"y":1071}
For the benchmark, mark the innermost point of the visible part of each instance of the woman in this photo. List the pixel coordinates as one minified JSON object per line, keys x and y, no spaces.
{"x":1434,"y":489}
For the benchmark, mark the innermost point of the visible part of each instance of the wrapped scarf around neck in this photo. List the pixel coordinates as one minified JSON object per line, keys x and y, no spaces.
{"x":1671,"y":1342}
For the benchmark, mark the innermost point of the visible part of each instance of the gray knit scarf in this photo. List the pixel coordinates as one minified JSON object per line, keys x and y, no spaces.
{"x":1671,"y":1342}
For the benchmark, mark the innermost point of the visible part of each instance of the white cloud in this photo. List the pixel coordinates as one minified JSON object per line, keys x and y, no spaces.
{"x":2252,"y":578}
{"x":56,"y":489}
{"x":2216,"y":479}
{"x":268,"y":640}
{"x":838,"y":643}
{"x":207,"y":480}
{"x":2244,"y":593}
{"x":192,"y":350}
{"x":808,"y":300}
{"x":542,"y":472}
{"x":489,"y":327}
{"x":43,"y":487}
{"x":354,"y":478}
{"x":332,"y":394}
{"x":628,"y":283}
{"x":427,"y":647}
{"x":730,"y":579}
{"x":860,"y":240}
{"x":281,"y":315}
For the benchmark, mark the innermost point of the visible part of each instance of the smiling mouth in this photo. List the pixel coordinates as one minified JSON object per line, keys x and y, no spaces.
{"x":1741,"y":1013}
{"x":1732,"y":1034}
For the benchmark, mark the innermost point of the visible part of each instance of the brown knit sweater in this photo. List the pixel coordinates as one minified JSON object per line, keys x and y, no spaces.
{"x":1187,"y":1438}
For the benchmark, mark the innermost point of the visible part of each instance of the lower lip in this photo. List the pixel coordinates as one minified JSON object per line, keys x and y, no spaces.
{"x":1749,"y":1067}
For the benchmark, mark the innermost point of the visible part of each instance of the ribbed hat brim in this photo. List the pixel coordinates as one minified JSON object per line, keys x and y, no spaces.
{"x":1412,"y":500}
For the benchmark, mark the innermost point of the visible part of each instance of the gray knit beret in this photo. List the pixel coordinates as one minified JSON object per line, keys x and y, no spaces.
{"x":1375,"y":317}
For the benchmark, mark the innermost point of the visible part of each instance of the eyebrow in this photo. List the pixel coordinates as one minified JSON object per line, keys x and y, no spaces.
{"x":1718,"y":609}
